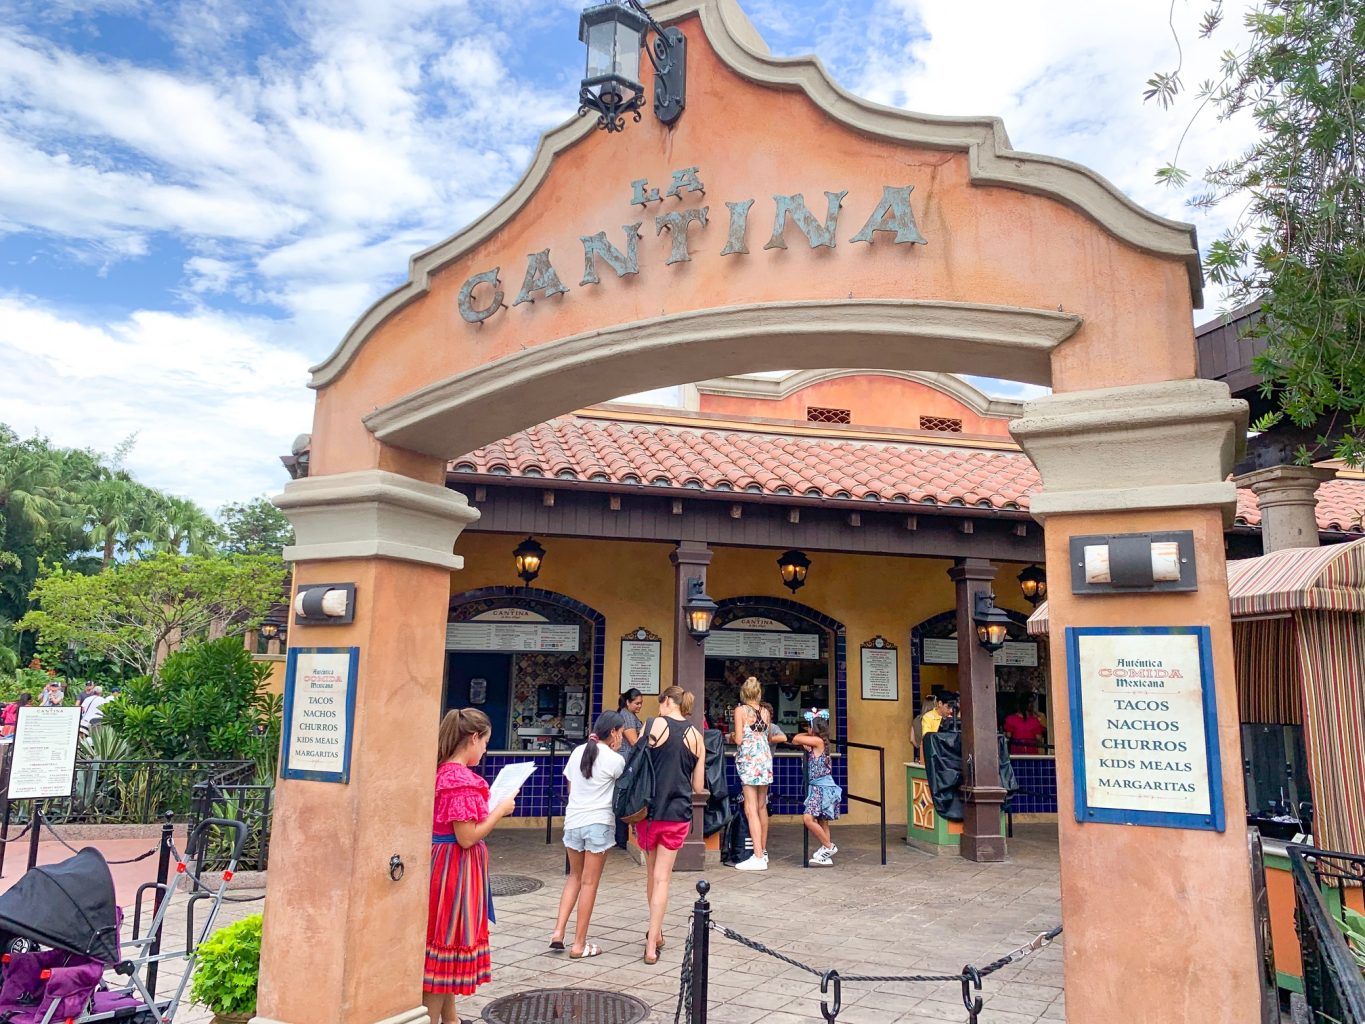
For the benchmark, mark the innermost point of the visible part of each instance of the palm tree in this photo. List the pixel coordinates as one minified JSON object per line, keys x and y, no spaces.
{"x":180,"y":525}
{"x":117,"y":513}
{"x":30,"y":483}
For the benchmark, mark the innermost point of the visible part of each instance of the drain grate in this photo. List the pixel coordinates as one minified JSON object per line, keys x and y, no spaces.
{"x":515,"y":885}
{"x":566,"y":1006}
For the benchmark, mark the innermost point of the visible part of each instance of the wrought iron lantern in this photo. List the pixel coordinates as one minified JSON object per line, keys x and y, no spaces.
{"x":529,"y":555}
{"x":614,"y":33}
{"x":992,"y":624}
{"x":270,"y":630}
{"x":699,"y":609}
{"x":1033,"y":582}
{"x":793,"y":565}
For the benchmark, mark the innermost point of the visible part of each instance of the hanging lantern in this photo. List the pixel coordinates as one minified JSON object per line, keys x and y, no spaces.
{"x":992,"y":624}
{"x":1033,"y":583}
{"x":793,"y":565}
{"x":614,"y":33}
{"x":699,"y":609}
{"x":528,"y":555}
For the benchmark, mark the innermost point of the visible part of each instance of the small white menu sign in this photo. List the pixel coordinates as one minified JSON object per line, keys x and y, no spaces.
{"x":44,"y":753}
{"x":640,"y":665}
{"x":319,"y":704}
{"x":879,"y":673}
{"x":1148,"y":751}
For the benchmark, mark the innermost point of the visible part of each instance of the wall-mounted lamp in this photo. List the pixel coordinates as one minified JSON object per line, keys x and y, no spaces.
{"x":528,"y":556}
{"x":324,"y":604}
{"x":614,"y":32}
{"x":992,"y":625}
{"x":269,"y":630}
{"x":793,"y":565}
{"x":1033,"y":583}
{"x":699,"y":609}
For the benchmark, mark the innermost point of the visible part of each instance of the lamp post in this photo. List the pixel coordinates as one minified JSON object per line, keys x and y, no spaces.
{"x":614,"y":33}
{"x":793,"y":565}
{"x":992,"y":625}
{"x":528,"y":556}
{"x":1033,"y":584}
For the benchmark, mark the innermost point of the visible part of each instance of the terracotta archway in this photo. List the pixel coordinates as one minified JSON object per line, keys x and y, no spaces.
{"x":795,"y":227}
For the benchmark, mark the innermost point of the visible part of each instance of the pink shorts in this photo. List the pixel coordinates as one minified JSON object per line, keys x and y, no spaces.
{"x":672,"y":834}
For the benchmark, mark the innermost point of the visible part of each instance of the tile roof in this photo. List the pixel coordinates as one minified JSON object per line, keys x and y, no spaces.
{"x":715,"y":458}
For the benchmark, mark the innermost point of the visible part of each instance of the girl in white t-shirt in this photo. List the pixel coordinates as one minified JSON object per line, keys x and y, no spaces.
{"x":589,"y":827}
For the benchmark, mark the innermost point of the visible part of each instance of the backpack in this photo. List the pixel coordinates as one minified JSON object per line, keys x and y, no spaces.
{"x":635,"y":787}
{"x":736,"y":845}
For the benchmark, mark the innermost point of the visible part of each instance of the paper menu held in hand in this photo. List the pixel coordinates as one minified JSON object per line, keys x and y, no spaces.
{"x":509,"y":781}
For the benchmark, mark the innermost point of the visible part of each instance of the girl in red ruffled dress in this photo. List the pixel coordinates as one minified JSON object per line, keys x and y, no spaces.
{"x":458,"y":958}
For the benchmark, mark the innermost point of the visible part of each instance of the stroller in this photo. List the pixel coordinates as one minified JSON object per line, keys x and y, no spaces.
{"x":70,"y":908}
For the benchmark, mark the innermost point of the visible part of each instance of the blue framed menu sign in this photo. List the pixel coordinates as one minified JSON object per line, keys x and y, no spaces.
{"x":319,"y":713}
{"x":1144,"y":725}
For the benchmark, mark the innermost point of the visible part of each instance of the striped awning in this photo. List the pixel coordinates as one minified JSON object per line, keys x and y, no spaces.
{"x":1330,"y":579}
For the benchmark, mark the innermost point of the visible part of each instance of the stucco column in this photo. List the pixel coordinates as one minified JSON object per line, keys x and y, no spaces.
{"x":982,"y":795}
{"x":1159,"y":926}
{"x":343,"y":942}
{"x":1288,"y":498}
{"x":690,"y":559}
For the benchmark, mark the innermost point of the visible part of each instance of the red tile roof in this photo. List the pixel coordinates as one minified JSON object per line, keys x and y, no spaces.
{"x":715,"y":458}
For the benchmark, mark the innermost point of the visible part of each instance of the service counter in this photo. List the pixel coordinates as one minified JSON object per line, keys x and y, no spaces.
{"x":927,"y":829}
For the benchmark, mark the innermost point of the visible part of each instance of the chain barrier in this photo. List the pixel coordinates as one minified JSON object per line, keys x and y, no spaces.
{"x":41,"y":819}
{"x":831,"y":981}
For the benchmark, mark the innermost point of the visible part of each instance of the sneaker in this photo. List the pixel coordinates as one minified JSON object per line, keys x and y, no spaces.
{"x":752,"y":864}
{"x":831,"y":849}
{"x":821,"y":859}
{"x":765,"y":857}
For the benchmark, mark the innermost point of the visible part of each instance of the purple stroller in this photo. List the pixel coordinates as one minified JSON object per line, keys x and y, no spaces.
{"x":70,"y":908}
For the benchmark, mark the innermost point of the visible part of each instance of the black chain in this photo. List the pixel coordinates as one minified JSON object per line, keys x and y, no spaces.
{"x":42,"y":819}
{"x":969,"y":977}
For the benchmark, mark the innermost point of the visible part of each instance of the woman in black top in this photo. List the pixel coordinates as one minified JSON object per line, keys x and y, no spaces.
{"x":675,"y":748}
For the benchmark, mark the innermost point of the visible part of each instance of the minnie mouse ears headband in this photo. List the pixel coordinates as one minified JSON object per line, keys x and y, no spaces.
{"x":815,"y":713}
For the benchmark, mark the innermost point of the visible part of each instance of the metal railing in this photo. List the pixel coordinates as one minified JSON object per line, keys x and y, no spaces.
{"x":246,"y":802}
{"x":879,"y":803}
{"x":137,"y":792}
{"x":1333,"y":985}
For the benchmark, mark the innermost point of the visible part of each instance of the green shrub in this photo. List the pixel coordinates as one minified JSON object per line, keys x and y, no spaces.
{"x":209,"y":703}
{"x":228,"y":967}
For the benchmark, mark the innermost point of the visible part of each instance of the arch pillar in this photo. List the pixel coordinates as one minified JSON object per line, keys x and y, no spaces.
{"x":342,"y":942}
{"x":1158,"y":920}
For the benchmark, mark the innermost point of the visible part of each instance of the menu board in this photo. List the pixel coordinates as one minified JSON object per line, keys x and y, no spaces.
{"x":640,"y":658}
{"x":319,"y":709}
{"x":1022,"y":653}
{"x":511,"y":636}
{"x":735,"y":643}
{"x":44,"y":752}
{"x":879,"y":672}
{"x":1145,"y":726}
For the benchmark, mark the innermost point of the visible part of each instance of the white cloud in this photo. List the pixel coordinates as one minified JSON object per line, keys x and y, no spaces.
{"x":212,"y":401}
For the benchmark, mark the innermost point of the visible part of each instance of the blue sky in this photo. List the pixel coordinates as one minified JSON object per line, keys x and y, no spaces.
{"x":197,"y":199}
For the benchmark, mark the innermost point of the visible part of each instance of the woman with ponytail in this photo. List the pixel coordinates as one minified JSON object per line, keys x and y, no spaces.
{"x":459,"y":959}
{"x":589,"y":828}
{"x":679,"y":761}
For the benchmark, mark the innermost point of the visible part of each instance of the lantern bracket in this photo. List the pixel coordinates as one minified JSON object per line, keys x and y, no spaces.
{"x":667,"y":52}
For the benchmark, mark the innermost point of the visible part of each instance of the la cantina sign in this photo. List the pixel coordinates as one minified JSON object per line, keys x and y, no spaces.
{"x":481,"y":296}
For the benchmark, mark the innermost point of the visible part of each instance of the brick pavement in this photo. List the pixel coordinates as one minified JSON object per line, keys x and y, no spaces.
{"x":920,"y":914}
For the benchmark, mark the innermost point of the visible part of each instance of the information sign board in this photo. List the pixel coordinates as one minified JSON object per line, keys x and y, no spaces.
{"x":44,"y":759}
{"x":879,"y":664}
{"x":736,"y":643}
{"x":640,"y":661}
{"x":1145,"y":726}
{"x":514,"y":637}
{"x":319,"y":713}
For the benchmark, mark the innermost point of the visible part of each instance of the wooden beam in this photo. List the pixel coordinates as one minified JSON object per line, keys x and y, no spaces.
{"x":547,"y":498}
{"x":855,"y":519}
{"x":1021,"y":529}
{"x":677,"y":506}
{"x":793,"y":515}
{"x":736,"y":511}
{"x":480,"y":494}
{"x":966,"y":526}
{"x":912,"y":522}
{"x":614,"y":502}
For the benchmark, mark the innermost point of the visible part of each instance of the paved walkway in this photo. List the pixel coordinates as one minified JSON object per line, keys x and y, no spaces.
{"x":919,"y":914}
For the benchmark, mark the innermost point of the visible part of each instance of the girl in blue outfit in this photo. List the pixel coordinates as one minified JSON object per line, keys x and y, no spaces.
{"x":823,"y":795}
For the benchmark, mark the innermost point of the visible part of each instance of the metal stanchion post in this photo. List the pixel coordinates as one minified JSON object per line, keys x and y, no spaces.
{"x":35,"y":831}
{"x":4,"y":802}
{"x":701,"y":951}
{"x":163,"y":874}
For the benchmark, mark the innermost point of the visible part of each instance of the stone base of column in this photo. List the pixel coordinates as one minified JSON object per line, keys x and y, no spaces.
{"x":692,"y":857}
{"x":417,"y":1016}
{"x":982,"y":840}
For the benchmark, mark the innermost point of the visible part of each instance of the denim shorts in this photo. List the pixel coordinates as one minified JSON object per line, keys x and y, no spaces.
{"x":590,"y":838}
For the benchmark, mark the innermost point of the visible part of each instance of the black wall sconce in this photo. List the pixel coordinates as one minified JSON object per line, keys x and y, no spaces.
{"x":614,"y":33}
{"x":793,"y":565}
{"x":992,"y":624}
{"x":1033,"y":584}
{"x":528,"y":556}
{"x":699,"y":609}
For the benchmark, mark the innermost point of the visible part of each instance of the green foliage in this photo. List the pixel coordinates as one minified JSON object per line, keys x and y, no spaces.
{"x":134,"y":610}
{"x":228,"y":968}
{"x":1298,"y":245}
{"x":209,"y":703}
{"x":254,"y":527}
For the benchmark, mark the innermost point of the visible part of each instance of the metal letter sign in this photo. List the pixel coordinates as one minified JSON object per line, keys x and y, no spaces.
{"x":1144,"y":726}
{"x":319,"y":713}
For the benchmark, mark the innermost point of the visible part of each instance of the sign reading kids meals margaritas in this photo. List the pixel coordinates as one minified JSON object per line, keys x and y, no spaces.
{"x":319,"y":710}
{"x":1145,"y":732}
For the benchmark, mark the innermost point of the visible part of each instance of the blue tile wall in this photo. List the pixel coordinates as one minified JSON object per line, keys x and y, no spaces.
{"x":1037,"y":778}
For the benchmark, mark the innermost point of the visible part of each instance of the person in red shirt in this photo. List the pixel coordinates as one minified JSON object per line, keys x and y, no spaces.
{"x":1025,"y":728}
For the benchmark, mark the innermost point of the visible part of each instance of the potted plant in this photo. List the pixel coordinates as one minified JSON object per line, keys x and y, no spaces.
{"x":227,"y":967}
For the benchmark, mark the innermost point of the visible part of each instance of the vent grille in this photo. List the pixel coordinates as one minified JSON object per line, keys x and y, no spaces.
{"x":940,"y":424}
{"x":819,"y":414}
